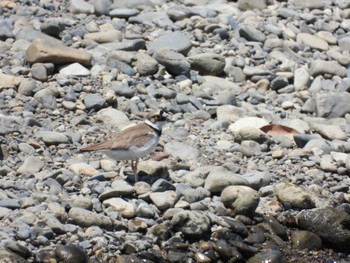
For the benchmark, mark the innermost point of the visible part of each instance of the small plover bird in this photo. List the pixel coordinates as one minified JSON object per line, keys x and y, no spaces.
{"x":133,"y":142}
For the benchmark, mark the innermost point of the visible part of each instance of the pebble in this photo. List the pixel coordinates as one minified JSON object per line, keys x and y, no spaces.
{"x":243,"y":200}
{"x":294,"y":195}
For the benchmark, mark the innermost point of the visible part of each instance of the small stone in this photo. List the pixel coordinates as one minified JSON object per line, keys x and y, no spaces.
{"x":31,"y":165}
{"x":76,"y":70}
{"x":295,"y":195}
{"x":219,"y":178}
{"x":163,"y":200}
{"x":243,"y":200}
{"x":126,"y":209}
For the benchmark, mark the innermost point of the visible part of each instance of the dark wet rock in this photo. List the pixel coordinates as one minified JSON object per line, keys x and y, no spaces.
{"x":329,"y":223}
{"x":306,"y":240}
{"x":273,"y":256}
{"x":71,"y":253}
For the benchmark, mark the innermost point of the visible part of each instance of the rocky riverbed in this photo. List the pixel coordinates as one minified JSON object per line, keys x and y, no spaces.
{"x":253,"y":164}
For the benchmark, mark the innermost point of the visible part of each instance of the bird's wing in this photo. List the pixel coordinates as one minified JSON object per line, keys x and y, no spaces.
{"x":136,"y":135}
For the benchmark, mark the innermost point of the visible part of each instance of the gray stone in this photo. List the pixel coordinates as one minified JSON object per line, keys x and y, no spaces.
{"x":86,"y":218}
{"x":52,"y":138}
{"x":175,"y":41}
{"x":163,"y":200}
{"x":159,"y":19}
{"x":329,"y":132}
{"x":8,"y":256}
{"x":174,"y":62}
{"x":31,"y":165}
{"x":312,"y":41}
{"x":344,"y":43}
{"x":94,"y":101}
{"x":113,"y":118}
{"x":80,"y":6}
{"x":332,"y":105}
{"x":250,"y":148}
{"x":251,"y":5}
{"x":181,"y":150}
{"x":124,"y":12}
{"x":146,"y":65}
{"x":310,"y":4}
{"x":207,"y":63}
{"x":251,"y":33}
{"x":321,"y":144}
{"x":243,"y":200}
{"x":257,"y":179}
{"x":27,"y":86}
{"x":320,"y":67}
{"x":191,"y":223}
{"x":219,"y":178}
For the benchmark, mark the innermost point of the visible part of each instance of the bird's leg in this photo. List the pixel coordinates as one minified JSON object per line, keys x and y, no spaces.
{"x":134,"y":169}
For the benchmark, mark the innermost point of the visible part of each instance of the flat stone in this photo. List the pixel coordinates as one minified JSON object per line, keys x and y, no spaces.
{"x":174,"y":62}
{"x":312,"y":41}
{"x":181,"y":150}
{"x":125,"y":208}
{"x":94,"y":101}
{"x":9,"y":81}
{"x":175,"y":41}
{"x":207,"y":63}
{"x":113,"y":118}
{"x":332,"y":105}
{"x":52,"y":138}
{"x":44,"y":50}
{"x":251,"y":5}
{"x":83,"y":169}
{"x":86,"y":218}
{"x":124,"y":12}
{"x":330,"y":132}
{"x":251,"y":33}
{"x":105,"y":36}
{"x":320,"y":67}
{"x":254,"y":122}
{"x":80,"y":6}
{"x":219,"y":178}
{"x":163,"y":200}
{"x":76,"y":70}
{"x":31,"y":165}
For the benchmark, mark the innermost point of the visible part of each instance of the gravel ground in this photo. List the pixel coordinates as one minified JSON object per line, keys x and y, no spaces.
{"x":253,"y":163}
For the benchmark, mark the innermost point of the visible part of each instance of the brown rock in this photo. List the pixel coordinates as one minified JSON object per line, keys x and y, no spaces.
{"x":44,"y":50}
{"x":9,"y":81}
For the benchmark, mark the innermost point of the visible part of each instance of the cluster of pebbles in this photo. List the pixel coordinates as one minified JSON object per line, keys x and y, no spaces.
{"x":253,"y":165}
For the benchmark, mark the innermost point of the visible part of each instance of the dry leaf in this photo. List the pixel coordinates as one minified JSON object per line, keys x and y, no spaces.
{"x":278,"y":130}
